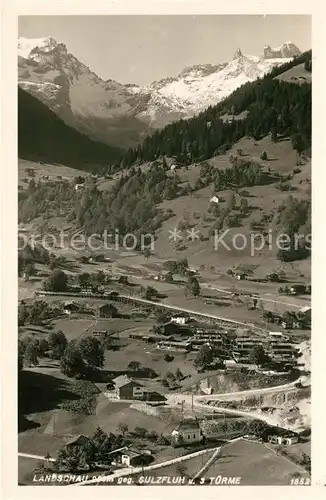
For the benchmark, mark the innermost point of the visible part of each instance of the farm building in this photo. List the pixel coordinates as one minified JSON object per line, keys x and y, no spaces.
{"x":286,"y":439}
{"x":240,"y":275}
{"x":126,"y":388}
{"x":297,"y":289}
{"x":79,"y":442}
{"x":182,"y":319}
{"x":274,"y":439}
{"x":198,"y":340}
{"x":245,"y":345}
{"x":88,"y":288}
{"x":281,"y":348}
{"x":187,"y":432}
{"x":70,"y":307}
{"x":306,"y":311}
{"x":107,"y":311}
{"x":174,"y":345}
{"x":173,"y":328}
{"x":133,"y":458}
{"x":275,"y":334}
{"x":230,"y":363}
{"x":214,"y":199}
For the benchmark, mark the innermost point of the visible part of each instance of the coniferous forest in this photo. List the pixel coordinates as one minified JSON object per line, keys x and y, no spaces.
{"x":280,"y":108}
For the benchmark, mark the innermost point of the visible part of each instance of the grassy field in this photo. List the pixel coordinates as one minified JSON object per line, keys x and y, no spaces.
{"x":26,"y":468}
{"x":45,"y":169}
{"x":263,"y":199}
{"x":298,"y":74}
{"x":255,"y":464}
{"x":149,"y":357}
{"x":191,"y":467}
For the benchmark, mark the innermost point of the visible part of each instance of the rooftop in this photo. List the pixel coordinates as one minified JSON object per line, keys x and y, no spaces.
{"x":75,"y":439}
{"x":305,"y":309}
{"x":188,"y":423}
{"x":123,"y":380}
{"x":133,"y":453}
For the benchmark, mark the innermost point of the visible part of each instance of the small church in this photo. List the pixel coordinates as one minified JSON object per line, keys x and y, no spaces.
{"x":187,"y":432}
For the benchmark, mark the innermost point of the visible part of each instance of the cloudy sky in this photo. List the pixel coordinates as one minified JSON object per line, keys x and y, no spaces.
{"x":140,"y":49}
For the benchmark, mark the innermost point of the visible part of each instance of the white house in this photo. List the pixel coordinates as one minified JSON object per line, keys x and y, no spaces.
{"x":230,"y":362}
{"x":275,"y":439}
{"x":173,"y":167}
{"x":180,"y":320}
{"x":79,"y":186}
{"x":133,"y":458}
{"x":187,"y":432}
{"x":214,"y":199}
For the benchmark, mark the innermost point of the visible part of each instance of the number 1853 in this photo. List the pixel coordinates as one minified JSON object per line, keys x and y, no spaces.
{"x":300,"y":481}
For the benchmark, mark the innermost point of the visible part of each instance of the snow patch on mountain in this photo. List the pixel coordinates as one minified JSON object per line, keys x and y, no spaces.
{"x":288,"y":49}
{"x":200,"y":86}
{"x":27,"y":45}
{"x":80,"y":97}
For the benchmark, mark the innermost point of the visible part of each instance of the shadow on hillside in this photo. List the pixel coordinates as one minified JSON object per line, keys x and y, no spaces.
{"x":38,"y":392}
{"x":24,"y":424}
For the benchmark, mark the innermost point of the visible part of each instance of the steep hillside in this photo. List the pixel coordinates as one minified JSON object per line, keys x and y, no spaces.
{"x":252,"y":151}
{"x":44,"y":136}
{"x":104,"y":110}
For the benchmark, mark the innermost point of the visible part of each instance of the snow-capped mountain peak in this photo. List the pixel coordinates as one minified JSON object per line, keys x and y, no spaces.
{"x":288,"y":49}
{"x":79,"y":96}
{"x":200,"y":86}
{"x":26,"y":46}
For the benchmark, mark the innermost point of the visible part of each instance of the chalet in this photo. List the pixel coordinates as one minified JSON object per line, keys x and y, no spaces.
{"x":107,"y":311}
{"x":70,"y":307}
{"x":126,"y":388}
{"x":88,"y":288}
{"x":79,"y":442}
{"x":172,"y":328}
{"x":187,"y":432}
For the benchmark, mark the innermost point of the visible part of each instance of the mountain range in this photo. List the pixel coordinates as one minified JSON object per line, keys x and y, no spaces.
{"x":123,"y":115}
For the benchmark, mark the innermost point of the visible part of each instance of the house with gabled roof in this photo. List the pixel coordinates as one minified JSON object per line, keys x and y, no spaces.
{"x":127,"y":388}
{"x":187,"y":432}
